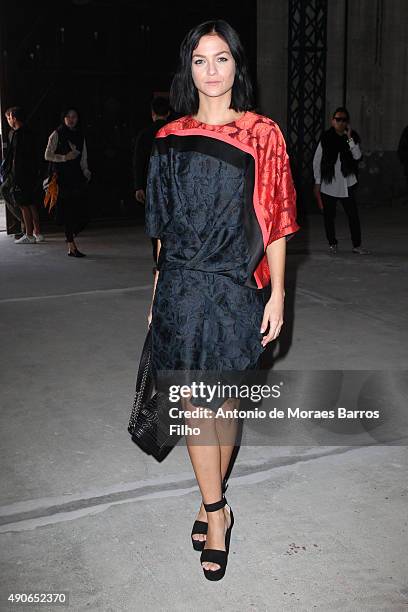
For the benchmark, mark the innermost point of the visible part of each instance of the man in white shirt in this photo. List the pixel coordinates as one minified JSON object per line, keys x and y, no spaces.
{"x":335,"y":166}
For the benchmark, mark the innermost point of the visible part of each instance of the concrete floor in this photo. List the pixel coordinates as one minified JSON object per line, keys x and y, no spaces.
{"x":83,"y":510}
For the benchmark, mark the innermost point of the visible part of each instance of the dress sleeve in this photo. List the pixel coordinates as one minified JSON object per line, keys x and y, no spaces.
{"x":277,"y":193}
{"x":156,"y":206}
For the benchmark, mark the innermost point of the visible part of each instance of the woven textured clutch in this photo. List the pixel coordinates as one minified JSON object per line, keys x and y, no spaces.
{"x":149,"y":423}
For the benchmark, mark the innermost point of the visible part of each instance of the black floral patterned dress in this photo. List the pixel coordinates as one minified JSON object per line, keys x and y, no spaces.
{"x":209,"y":300}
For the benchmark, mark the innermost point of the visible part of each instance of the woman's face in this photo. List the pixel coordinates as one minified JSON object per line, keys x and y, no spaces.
{"x":71,"y":119}
{"x":212,"y":66}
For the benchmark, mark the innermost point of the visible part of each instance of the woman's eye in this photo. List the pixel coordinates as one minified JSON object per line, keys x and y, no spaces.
{"x":198,"y":61}
{"x":223,"y":59}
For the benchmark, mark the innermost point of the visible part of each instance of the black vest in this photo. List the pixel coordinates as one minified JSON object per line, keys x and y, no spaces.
{"x":69,"y":173}
{"x":333,"y":144}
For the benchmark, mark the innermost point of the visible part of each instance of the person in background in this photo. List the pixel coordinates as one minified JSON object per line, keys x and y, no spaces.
{"x":160,"y":113}
{"x":66,"y":150}
{"x":20,"y":173}
{"x":403,"y":151}
{"x":335,"y":166}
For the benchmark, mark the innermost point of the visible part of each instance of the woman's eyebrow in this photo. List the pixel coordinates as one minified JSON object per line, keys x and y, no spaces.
{"x":219,"y":53}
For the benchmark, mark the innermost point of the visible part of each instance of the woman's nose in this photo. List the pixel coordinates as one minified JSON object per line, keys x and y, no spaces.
{"x":211,"y":68}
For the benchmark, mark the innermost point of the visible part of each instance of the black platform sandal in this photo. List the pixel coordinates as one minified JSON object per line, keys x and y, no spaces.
{"x":202,"y":526}
{"x":214,"y":555}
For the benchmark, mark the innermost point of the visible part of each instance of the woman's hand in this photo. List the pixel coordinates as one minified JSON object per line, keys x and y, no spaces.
{"x":73,"y":154}
{"x":140,"y":196}
{"x":273,"y":316}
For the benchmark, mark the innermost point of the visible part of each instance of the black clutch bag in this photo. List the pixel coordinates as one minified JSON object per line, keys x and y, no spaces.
{"x":149,"y":423}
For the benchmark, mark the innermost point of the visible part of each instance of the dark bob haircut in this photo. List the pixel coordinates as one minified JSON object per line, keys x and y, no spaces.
{"x":183,"y":93}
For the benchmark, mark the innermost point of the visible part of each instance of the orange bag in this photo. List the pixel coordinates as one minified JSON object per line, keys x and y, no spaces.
{"x":51,"y":194}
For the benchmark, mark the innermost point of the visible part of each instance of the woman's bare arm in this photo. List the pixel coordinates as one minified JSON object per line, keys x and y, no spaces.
{"x":273,"y":313}
{"x":156,"y":277}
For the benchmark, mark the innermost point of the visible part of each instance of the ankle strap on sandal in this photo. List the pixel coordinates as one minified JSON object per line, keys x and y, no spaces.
{"x":216,"y":505}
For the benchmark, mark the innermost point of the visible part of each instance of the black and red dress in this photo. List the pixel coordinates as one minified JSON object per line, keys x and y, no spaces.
{"x":217,"y":195}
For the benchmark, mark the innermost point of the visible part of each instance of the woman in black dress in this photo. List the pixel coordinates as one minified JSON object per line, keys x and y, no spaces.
{"x":221,"y":201}
{"x":67,"y":153}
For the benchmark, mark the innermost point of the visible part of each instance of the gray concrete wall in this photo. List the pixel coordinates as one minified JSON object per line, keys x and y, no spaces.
{"x":335,"y":55}
{"x":378,"y":69}
{"x":378,"y":92}
{"x":273,"y":59}
{"x":377,"y":80}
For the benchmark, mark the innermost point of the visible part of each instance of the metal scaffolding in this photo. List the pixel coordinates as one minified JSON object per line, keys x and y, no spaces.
{"x":307,"y":47}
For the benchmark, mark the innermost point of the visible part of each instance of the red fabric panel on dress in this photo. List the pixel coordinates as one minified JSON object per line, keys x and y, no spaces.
{"x":274,"y":196}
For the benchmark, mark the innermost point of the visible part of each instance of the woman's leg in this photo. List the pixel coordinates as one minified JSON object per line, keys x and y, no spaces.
{"x":68,"y":208}
{"x":329,"y":216}
{"x":69,"y":235}
{"x":226,"y":431}
{"x":36,"y":220}
{"x":351,"y":210}
{"x":28,"y":220}
{"x":210,"y":455}
{"x":79,"y":210}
